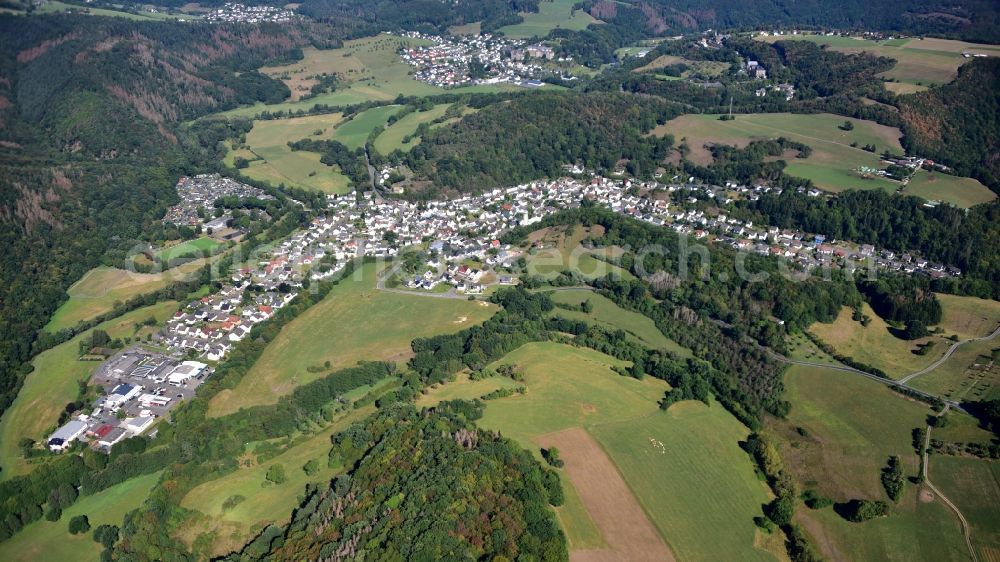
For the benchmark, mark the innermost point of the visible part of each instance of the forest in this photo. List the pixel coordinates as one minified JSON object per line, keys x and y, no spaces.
{"x":534,"y":136}
{"x":968,"y":239}
{"x":425,"y":485}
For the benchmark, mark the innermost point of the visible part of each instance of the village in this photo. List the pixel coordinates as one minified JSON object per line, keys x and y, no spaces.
{"x":480,"y":59}
{"x":143,"y":382}
{"x":234,"y":12}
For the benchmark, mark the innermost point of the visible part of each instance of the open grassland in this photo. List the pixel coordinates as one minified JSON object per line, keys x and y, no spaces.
{"x":267,"y":503}
{"x":962,"y":429}
{"x":100,"y":288}
{"x":959,"y":191}
{"x":47,"y":540}
{"x":354,"y":133}
{"x":968,"y":317}
{"x":833,"y":163}
{"x":367,"y":69}
{"x":355,"y":322}
{"x":852,"y":426}
{"x":918,"y":529}
{"x":571,"y":388}
{"x":272,"y":161}
{"x":692,"y":449}
{"x":473,"y":28}
{"x":801,"y":348}
{"x":392,"y":138}
{"x":55,"y":7}
{"x":974,"y":486}
{"x":969,"y":374}
{"x":918,"y":61}
{"x":875,"y":345}
{"x":839,"y":434}
{"x":552,"y":14}
{"x":707,"y":69}
{"x":200,"y":246}
{"x":54,"y":383}
{"x":609,"y":314}
{"x":558,"y":249}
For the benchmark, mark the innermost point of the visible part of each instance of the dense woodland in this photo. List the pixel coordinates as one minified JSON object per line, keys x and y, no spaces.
{"x":966,"y":239}
{"x":534,"y":136}
{"x":424,"y":486}
{"x":422,"y":15}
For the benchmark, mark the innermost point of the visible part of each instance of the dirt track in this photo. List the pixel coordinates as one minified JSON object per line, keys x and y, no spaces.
{"x":608,"y":500}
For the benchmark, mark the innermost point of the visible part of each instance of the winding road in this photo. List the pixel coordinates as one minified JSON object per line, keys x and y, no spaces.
{"x":946,"y":355}
{"x":961,"y":518}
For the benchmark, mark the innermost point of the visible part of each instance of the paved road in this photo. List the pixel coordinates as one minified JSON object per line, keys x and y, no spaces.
{"x":947,"y":354}
{"x":961,"y":518}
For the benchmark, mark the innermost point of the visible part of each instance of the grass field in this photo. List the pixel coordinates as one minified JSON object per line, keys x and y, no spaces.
{"x":875,"y":345}
{"x":100,"y":288}
{"x":55,"y":7}
{"x":392,"y":137}
{"x":272,"y":161}
{"x":831,"y":166}
{"x":354,"y":133}
{"x":552,"y":14}
{"x":46,"y":540}
{"x":367,"y":69}
{"x":918,"y":61}
{"x":967,"y":375}
{"x":968,"y":317}
{"x":558,"y":249}
{"x":571,"y":387}
{"x":707,"y":69}
{"x":974,"y":486}
{"x":355,"y":322}
{"x":203,"y":246}
{"x":607,"y":313}
{"x":849,"y":427}
{"x":962,"y":192}
{"x":53,"y":384}
{"x":267,"y":503}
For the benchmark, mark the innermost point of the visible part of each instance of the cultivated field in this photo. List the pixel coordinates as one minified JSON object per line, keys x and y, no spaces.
{"x":684,"y":466}
{"x":875,"y":345}
{"x":919,"y":61}
{"x":100,"y":288}
{"x":367,"y":69}
{"x":833,"y":163}
{"x":552,"y":14}
{"x":54,"y":383}
{"x":605,"y":312}
{"x":974,"y":486}
{"x":962,"y":192}
{"x":355,"y":322}
{"x":849,"y":427}
{"x":392,"y":138}
{"x":47,"y":540}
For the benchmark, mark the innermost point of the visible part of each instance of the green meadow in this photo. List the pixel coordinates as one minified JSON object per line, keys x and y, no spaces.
{"x":840,"y":432}
{"x":367,"y":69}
{"x":354,"y":133}
{"x":833,"y":163}
{"x":392,"y":138}
{"x":690,"y":452}
{"x":607,"y":313}
{"x":959,"y":191}
{"x":203,"y":246}
{"x":54,"y":383}
{"x":354,"y":322}
{"x":50,"y":540}
{"x":919,"y":61}
{"x":552,"y":14}
{"x":974,"y":486}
